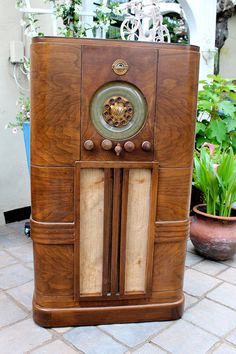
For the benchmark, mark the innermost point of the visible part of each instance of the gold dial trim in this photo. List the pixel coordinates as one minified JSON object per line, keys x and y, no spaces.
{"x":118,"y":111}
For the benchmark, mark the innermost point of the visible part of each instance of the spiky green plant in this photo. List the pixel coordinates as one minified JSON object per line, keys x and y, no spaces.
{"x":217,"y":181}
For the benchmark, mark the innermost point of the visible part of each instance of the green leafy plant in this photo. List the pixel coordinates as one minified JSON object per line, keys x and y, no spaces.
{"x":106,"y":16}
{"x":69,"y":12}
{"x":214,"y":175}
{"x":217,"y":112}
{"x":22,"y":116}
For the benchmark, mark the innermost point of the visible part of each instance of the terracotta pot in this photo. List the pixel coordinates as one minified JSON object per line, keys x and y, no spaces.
{"x":213,"y":236}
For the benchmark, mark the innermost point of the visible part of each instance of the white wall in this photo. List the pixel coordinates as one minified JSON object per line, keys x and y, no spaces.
{"x":228,"y":52}
{"x":14,"y":177}
{"x":201,"y":18}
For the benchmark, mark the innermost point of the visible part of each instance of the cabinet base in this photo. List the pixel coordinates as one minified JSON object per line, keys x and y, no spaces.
{"x":83,"y":316}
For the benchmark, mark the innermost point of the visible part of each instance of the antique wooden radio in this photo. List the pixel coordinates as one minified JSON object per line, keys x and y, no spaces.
{"x":112,"y":140}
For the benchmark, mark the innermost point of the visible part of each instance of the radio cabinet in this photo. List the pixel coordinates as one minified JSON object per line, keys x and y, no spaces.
{"x":112,"y":138}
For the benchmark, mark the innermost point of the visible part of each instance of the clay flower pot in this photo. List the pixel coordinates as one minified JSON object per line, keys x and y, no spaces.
{"x":213,"y":236}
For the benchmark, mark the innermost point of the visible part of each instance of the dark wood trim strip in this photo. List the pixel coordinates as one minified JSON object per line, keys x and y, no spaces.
{"x":52,"y":233}
{"x":52,"y":317}
{"x":108,"y":206}
{"x":77,"y":233}
{"x":110,"y":298}
{"x":116,"y":231}
{"x":114,"y":164}
{"x":167,"y":231}
{"x":125,"y":188}
{"x":151,"y":228}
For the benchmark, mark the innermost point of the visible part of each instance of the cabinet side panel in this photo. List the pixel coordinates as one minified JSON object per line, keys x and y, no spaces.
{"x":177,"y":86}
{"x":55,"y":104}
{"x":52,"y":194}
{"x":174,"y":186}
{"x":169,"y":255}
{"x":53,"y":270}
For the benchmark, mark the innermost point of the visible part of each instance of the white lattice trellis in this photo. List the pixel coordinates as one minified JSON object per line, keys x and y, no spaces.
{"x":144,"y":23}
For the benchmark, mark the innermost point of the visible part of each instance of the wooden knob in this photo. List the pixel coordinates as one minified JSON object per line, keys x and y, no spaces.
{"x":106,"y":144}
{"x":146,"y":146}
{"x":88,"y":145}
{"x":129,"y":146}
{"x":118,"y":149}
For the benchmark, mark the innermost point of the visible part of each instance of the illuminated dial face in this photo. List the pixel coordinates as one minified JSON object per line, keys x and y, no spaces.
{"x":118,"y":110}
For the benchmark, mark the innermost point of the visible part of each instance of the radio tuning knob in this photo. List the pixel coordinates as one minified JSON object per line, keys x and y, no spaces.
{"x":146,"y":146}
{"x":129,"y":146}
{"x":88,"y":145}
{"x":106,"y":144}
{"x":118,"y":149}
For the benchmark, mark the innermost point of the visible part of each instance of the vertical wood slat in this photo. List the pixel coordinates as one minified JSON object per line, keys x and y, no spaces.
{"x":125,"y":187}
{"x":116,"y":231}
{"x":108,"y":207}
{"x":77,"y":233}
{"x":151,"y":228}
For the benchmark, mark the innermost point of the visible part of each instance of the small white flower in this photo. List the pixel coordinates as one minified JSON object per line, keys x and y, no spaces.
{"x":117,"y":11}
{"x":105,"y":9}
{"x":67,"y":4}
{"x":23,"y":107}
{"x":14,"y":130}
{"x":28,"y":114}
{"x":78,"y":8}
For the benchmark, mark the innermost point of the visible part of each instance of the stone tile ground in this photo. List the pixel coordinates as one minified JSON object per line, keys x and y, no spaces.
{"x":208,"y":324}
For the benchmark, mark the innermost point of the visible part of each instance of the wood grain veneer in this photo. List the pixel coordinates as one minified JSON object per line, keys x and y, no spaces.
{"x":109,"y":232}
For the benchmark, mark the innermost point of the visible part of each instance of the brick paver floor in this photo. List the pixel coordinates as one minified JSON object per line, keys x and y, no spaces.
{"x":207,"y":326}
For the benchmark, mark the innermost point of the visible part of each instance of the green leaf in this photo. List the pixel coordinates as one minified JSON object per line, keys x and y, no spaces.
{"x":217,"y":129}
{"x":200,"y":128}
{"x":216,"y":78}
{"x":228,"y":107}
{"x":204,"y":105}
{"x":200,"y":140}
{"x":231,"y":87}
{"x":230,"y":123}
{"x":232,"y":95}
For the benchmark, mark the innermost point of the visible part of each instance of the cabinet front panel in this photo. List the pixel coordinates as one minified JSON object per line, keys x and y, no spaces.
{"x":114,"y":211}
{"x":136,"y":89}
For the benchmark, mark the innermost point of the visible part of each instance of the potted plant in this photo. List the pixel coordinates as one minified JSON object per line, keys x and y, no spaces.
{"x":216,"y":117}
{"x":213,"y":225}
